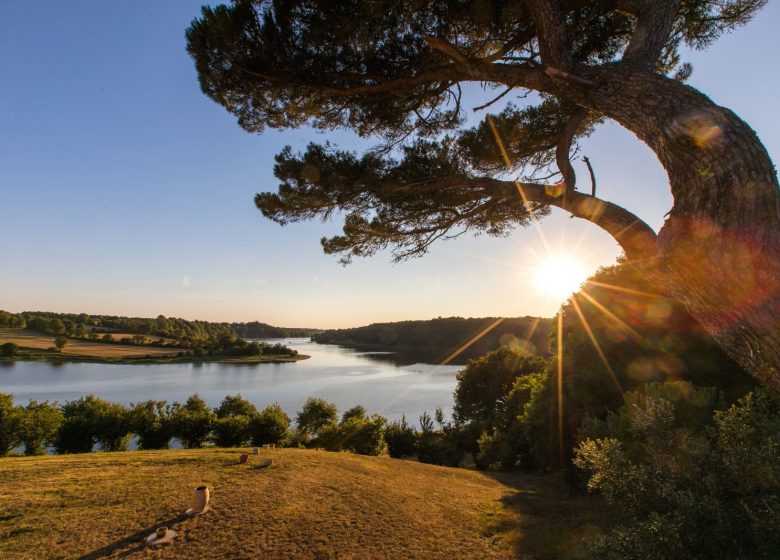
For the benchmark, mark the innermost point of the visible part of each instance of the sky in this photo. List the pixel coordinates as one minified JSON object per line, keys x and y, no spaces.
{"x":126,"y":191}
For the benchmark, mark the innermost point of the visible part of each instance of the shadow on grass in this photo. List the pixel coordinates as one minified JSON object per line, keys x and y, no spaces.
{"x":136,"y":540}
{"x":545,"y":519}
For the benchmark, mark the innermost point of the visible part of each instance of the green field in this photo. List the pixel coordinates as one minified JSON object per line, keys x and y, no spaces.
{"x":307,"y":504}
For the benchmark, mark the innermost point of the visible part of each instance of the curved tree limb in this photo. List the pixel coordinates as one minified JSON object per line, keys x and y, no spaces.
{"x":563,"y":149}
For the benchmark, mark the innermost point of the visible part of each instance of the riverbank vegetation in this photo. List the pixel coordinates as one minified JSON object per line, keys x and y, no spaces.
{"x":97,"y":338}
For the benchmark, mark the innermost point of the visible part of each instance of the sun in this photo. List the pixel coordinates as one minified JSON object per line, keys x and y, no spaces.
{"x":559,"y":276}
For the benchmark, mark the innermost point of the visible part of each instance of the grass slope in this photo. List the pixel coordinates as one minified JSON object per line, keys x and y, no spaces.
{"x":307,"y":504}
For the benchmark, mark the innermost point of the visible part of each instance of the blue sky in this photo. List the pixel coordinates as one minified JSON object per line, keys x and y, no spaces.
{"x":124,"y":190}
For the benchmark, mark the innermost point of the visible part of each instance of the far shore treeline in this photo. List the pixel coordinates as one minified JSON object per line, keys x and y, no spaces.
{"x":78,"y":325}
{"x":186,"y":339}
{"x":436,"y":340}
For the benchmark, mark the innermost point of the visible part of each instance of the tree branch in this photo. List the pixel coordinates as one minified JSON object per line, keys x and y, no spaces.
{"x":563,"y":149}
{"x":592,"y":176}
{"x":551,"y":33}
{"x":655,"y":20}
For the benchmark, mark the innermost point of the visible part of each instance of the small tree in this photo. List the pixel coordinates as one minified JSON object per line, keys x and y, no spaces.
{"x":232,"y":427}
{"x":315,"y":414}
{"x":39,"y":425}
{"x":9,"y":349}
{"x":401,"y":439}
{"x":357,"y":412}
{"x":60,"y":342}
{"x":271,"y":426}
{"x":152,"y":422}
{"x":89,"y":421}
{"x":192,"y":422}
{"x":10,"y":423}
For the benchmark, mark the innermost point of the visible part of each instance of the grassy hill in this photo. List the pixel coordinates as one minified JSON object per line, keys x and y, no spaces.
{"x":307,"y":504}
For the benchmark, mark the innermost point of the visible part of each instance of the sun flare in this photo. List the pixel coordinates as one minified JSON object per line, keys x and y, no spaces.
{"x":560,"y":276}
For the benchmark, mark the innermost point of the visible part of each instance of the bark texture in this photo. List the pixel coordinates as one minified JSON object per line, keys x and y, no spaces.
{"x":720,"y":246}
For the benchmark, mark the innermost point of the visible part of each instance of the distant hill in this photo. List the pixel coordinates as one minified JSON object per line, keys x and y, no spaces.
{"x":255,"y":329}
{"x":434,"y":340}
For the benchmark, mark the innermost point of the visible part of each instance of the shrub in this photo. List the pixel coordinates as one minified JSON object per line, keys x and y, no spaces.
{"x":364,"y":436}
{"x":60,"y":342}
{"x":271,"y":426}
{"x":39,"y":425}
{"x":439,"y":447}
{"x":232,"y":427}
{"x":401,"y":439}
{"x":152,"y":422}
{"x":10,"y":423}
{"x":356,"y":434}
{"x":232,"y":431}
{"x":315,"y":414}
{"x":690,"y":493}
{"x":90,"y":420}
{"x":9,"y":349}
{"x":192,"y":422}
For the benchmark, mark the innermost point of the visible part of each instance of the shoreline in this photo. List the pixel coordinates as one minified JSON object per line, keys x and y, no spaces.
{"x":146,"y":360}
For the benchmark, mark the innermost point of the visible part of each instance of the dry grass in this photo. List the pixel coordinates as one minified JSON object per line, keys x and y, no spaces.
{"x":307,"y":504}
{"x":37,"y":341}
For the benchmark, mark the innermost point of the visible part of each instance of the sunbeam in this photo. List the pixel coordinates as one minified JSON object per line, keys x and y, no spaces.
{"x":596,"y":344}
{"x":479,"y":335}
{"x":609,"y":313}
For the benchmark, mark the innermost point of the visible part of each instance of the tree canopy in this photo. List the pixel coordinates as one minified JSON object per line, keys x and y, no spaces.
{"x":393,"y":71}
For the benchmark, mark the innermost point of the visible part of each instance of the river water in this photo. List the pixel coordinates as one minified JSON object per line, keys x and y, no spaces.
{"x":340,"y":375}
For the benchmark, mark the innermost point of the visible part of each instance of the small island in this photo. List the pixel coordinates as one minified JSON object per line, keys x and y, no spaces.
{"x":62,"y":337}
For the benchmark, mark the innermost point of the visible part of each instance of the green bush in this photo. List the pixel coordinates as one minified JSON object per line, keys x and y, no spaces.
{"x":9,"y":349}
{"x":192,"y":422}
{"x":270,"y":426}
{"x":439,"y":447}
{"x":39,"y":426}
{"x":703,"y":493}
{"x":152,"y":422}
{"x":356,"y":433}
{"x":315,"y":414}
{"x":232,"y":431}
{"x":91,"y":420}
{"x":401,"y":439}
{"x":10,"y":424}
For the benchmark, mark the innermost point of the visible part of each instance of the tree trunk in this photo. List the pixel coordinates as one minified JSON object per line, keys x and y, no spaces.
{"x":720,"y":246}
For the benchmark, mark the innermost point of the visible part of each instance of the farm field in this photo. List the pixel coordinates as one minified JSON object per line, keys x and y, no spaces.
{"x":307,"y":504}
{"x":37,"y":341}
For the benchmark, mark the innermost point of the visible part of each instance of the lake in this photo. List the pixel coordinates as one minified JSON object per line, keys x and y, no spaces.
{"x":341,"y":375}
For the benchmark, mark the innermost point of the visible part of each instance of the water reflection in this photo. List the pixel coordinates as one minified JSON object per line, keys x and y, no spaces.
{"x":346,"y":377}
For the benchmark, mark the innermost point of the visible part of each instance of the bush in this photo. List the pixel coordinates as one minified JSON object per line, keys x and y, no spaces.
{"x":152,"y":422}
{"x":10,"y":424}
{"x":401,"y":439}
{"x":271,"y":426}
{"x":89,"y":421}
{"x":192,"y":422}
{"x":9,"y":349}
{"x":232,"y":427}
{"x":690,"y":493}
{"x":315,"y":414}
{"x":439,"y":447}
{"x":515,"y":438}
{"x":233,"y":431}
{"x":39,"y":426}
{"x":356,"y":434}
